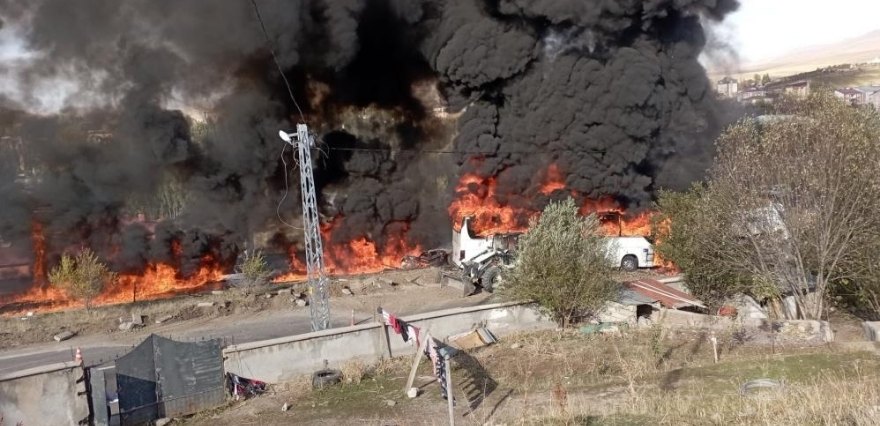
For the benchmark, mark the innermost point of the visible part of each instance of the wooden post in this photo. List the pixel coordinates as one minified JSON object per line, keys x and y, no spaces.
{"x":714,"y":347}
{"x":385,"y":330}
{"x":424,"y":336}
{"x":449,"y":398}
{"x":387,"y":340}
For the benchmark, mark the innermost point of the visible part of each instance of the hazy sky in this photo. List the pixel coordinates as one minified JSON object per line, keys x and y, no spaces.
{"x":764,"y":29}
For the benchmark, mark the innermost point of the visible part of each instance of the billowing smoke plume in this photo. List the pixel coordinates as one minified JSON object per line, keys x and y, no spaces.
{"x":100,"y":112}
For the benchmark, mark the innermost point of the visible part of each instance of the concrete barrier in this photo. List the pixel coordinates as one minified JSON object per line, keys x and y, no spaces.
{"x":872,"y":330}
{"x":681,"y":319}
{"x":285,"y":358}
{"x":50,"y":395}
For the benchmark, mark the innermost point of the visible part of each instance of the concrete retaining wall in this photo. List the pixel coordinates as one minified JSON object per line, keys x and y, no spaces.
{"x":49,"y":395}
{"x":807,"y":331}
{"x":285,"y":358}
{"x":872,"y":330}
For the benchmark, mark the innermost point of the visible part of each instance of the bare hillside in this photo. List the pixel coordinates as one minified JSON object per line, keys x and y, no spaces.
{"x":861,"y":49}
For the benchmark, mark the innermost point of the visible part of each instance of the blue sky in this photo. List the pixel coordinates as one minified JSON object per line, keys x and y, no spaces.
{"x":765,"y":29}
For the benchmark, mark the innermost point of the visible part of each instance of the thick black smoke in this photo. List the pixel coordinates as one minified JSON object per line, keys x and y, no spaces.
{"x":609,"y":90}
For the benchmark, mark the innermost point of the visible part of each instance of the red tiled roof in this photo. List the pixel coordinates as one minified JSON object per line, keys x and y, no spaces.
{"x":666,"y":295}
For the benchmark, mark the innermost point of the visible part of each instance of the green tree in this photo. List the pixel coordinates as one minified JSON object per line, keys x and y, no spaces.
{"x":563,"y":264}
{"x":790,"y":206}
{"x":82,"y":277}
{"x":766,"y":79}
{"x":254,"y":268}
{"x":686,"y":233}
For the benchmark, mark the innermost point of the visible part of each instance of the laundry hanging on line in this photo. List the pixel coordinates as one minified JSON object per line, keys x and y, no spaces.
{"x":412,"y":335}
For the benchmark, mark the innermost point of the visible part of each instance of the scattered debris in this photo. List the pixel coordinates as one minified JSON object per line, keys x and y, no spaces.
{"x":390,"y":402}
{"x":515,"y":346}
{"x":326,"y":377}
{"x":759,"y":384}
{"x":347,"y":291}
{"x":385,"y":282}
{"x":137,"y":319}
{"x":205,"y":304}
{"x":127,"y":326}
{"x":268,"y":295}
{"x":285,"y":407}
{"x":163,"y":318}
{"x":412,"y":392}
{"x":473,"y":339}
{"x":301,"y":302}
{"x":163,"y":421}
{"x":30,"y":314}
{"x":64,"y":335}
{"x":285,"y":291}
{"x":599,"y":328}
{"x":240,"y":387}
{"x":610,"y":329}
{"x":217,"y":292}
{"x":436,"y":257}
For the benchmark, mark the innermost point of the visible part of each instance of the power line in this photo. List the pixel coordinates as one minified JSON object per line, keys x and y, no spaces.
{"x":443,"y":151}
{"x":295,"y":103}
{"x":275,"y":59}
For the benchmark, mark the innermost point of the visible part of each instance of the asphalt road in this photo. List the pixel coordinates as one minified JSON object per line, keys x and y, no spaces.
{"x":97,"y":349}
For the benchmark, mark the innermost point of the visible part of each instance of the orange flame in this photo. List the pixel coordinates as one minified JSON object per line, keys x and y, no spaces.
{"x":475,"y":197}
{"x":159,"y":280}
{"x":358,"y":256}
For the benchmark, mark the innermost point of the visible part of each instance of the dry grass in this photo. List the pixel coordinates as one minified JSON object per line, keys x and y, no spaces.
{"x":354,"y":371}
{"x":826,"y":400}
{"x":566,"y":378}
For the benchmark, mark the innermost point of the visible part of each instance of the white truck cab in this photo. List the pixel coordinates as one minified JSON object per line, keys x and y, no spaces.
{"x":630,"y":253}
{"x":469,"y":248}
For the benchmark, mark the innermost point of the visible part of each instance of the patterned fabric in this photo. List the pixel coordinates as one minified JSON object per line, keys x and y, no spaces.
{"x":411,"y":335}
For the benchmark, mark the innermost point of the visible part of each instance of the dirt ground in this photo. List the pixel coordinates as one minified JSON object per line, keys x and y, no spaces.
{"x":395,"y":289}
{"x":634,"y":377}
{"x":403,"y":291}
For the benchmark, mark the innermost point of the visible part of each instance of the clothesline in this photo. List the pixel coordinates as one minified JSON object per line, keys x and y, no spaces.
{"x":413,"y":335}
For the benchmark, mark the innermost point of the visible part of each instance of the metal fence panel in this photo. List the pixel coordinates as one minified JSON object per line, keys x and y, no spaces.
{"x":136,"y":385}
{"x":164,"y":378}
{"x":190,"y":375}
{"x":98,"y":394}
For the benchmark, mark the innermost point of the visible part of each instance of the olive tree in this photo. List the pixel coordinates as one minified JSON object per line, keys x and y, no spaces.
{"x":563,"y":264}
{"x":82,"y":277}
{"x":685,"y":232}
{"x":792,"y":199}
{"x":254,"y":268}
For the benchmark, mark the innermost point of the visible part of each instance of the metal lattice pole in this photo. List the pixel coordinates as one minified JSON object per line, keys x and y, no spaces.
{"x":319,"y":305}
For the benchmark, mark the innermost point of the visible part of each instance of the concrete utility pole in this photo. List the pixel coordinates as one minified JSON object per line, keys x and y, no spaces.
{"x":319,"y":304}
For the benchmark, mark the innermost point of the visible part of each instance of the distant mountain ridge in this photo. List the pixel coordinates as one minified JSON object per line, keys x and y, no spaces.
{"x":860,"y":49}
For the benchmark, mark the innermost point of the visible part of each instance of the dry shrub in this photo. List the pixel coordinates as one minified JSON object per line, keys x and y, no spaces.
{"x":838,"y":399}
{"x":354,"y":371}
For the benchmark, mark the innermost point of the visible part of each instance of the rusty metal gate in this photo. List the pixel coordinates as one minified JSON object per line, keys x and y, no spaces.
{"x":163,"y":378}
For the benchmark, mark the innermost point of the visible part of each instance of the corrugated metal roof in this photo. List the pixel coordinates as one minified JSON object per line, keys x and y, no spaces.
{"x":655,"y":291}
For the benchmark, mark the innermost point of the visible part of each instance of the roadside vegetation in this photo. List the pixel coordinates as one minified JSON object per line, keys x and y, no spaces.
{"x":254,"y":269}
{"x":562,"y":265}
{"x":636,"y":377}
{"x":82,"y":277}
{"x":789,"y":208}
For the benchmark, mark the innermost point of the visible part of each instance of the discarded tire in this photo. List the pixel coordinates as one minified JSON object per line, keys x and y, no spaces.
{"x":326,"y":377}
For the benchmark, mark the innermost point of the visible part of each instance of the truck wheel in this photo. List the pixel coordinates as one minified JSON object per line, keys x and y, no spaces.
{"x":629,"y":263}
{"x":490,"y":278}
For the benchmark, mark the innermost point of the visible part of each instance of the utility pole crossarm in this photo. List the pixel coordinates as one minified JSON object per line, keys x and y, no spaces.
{"x":319,"y":305}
